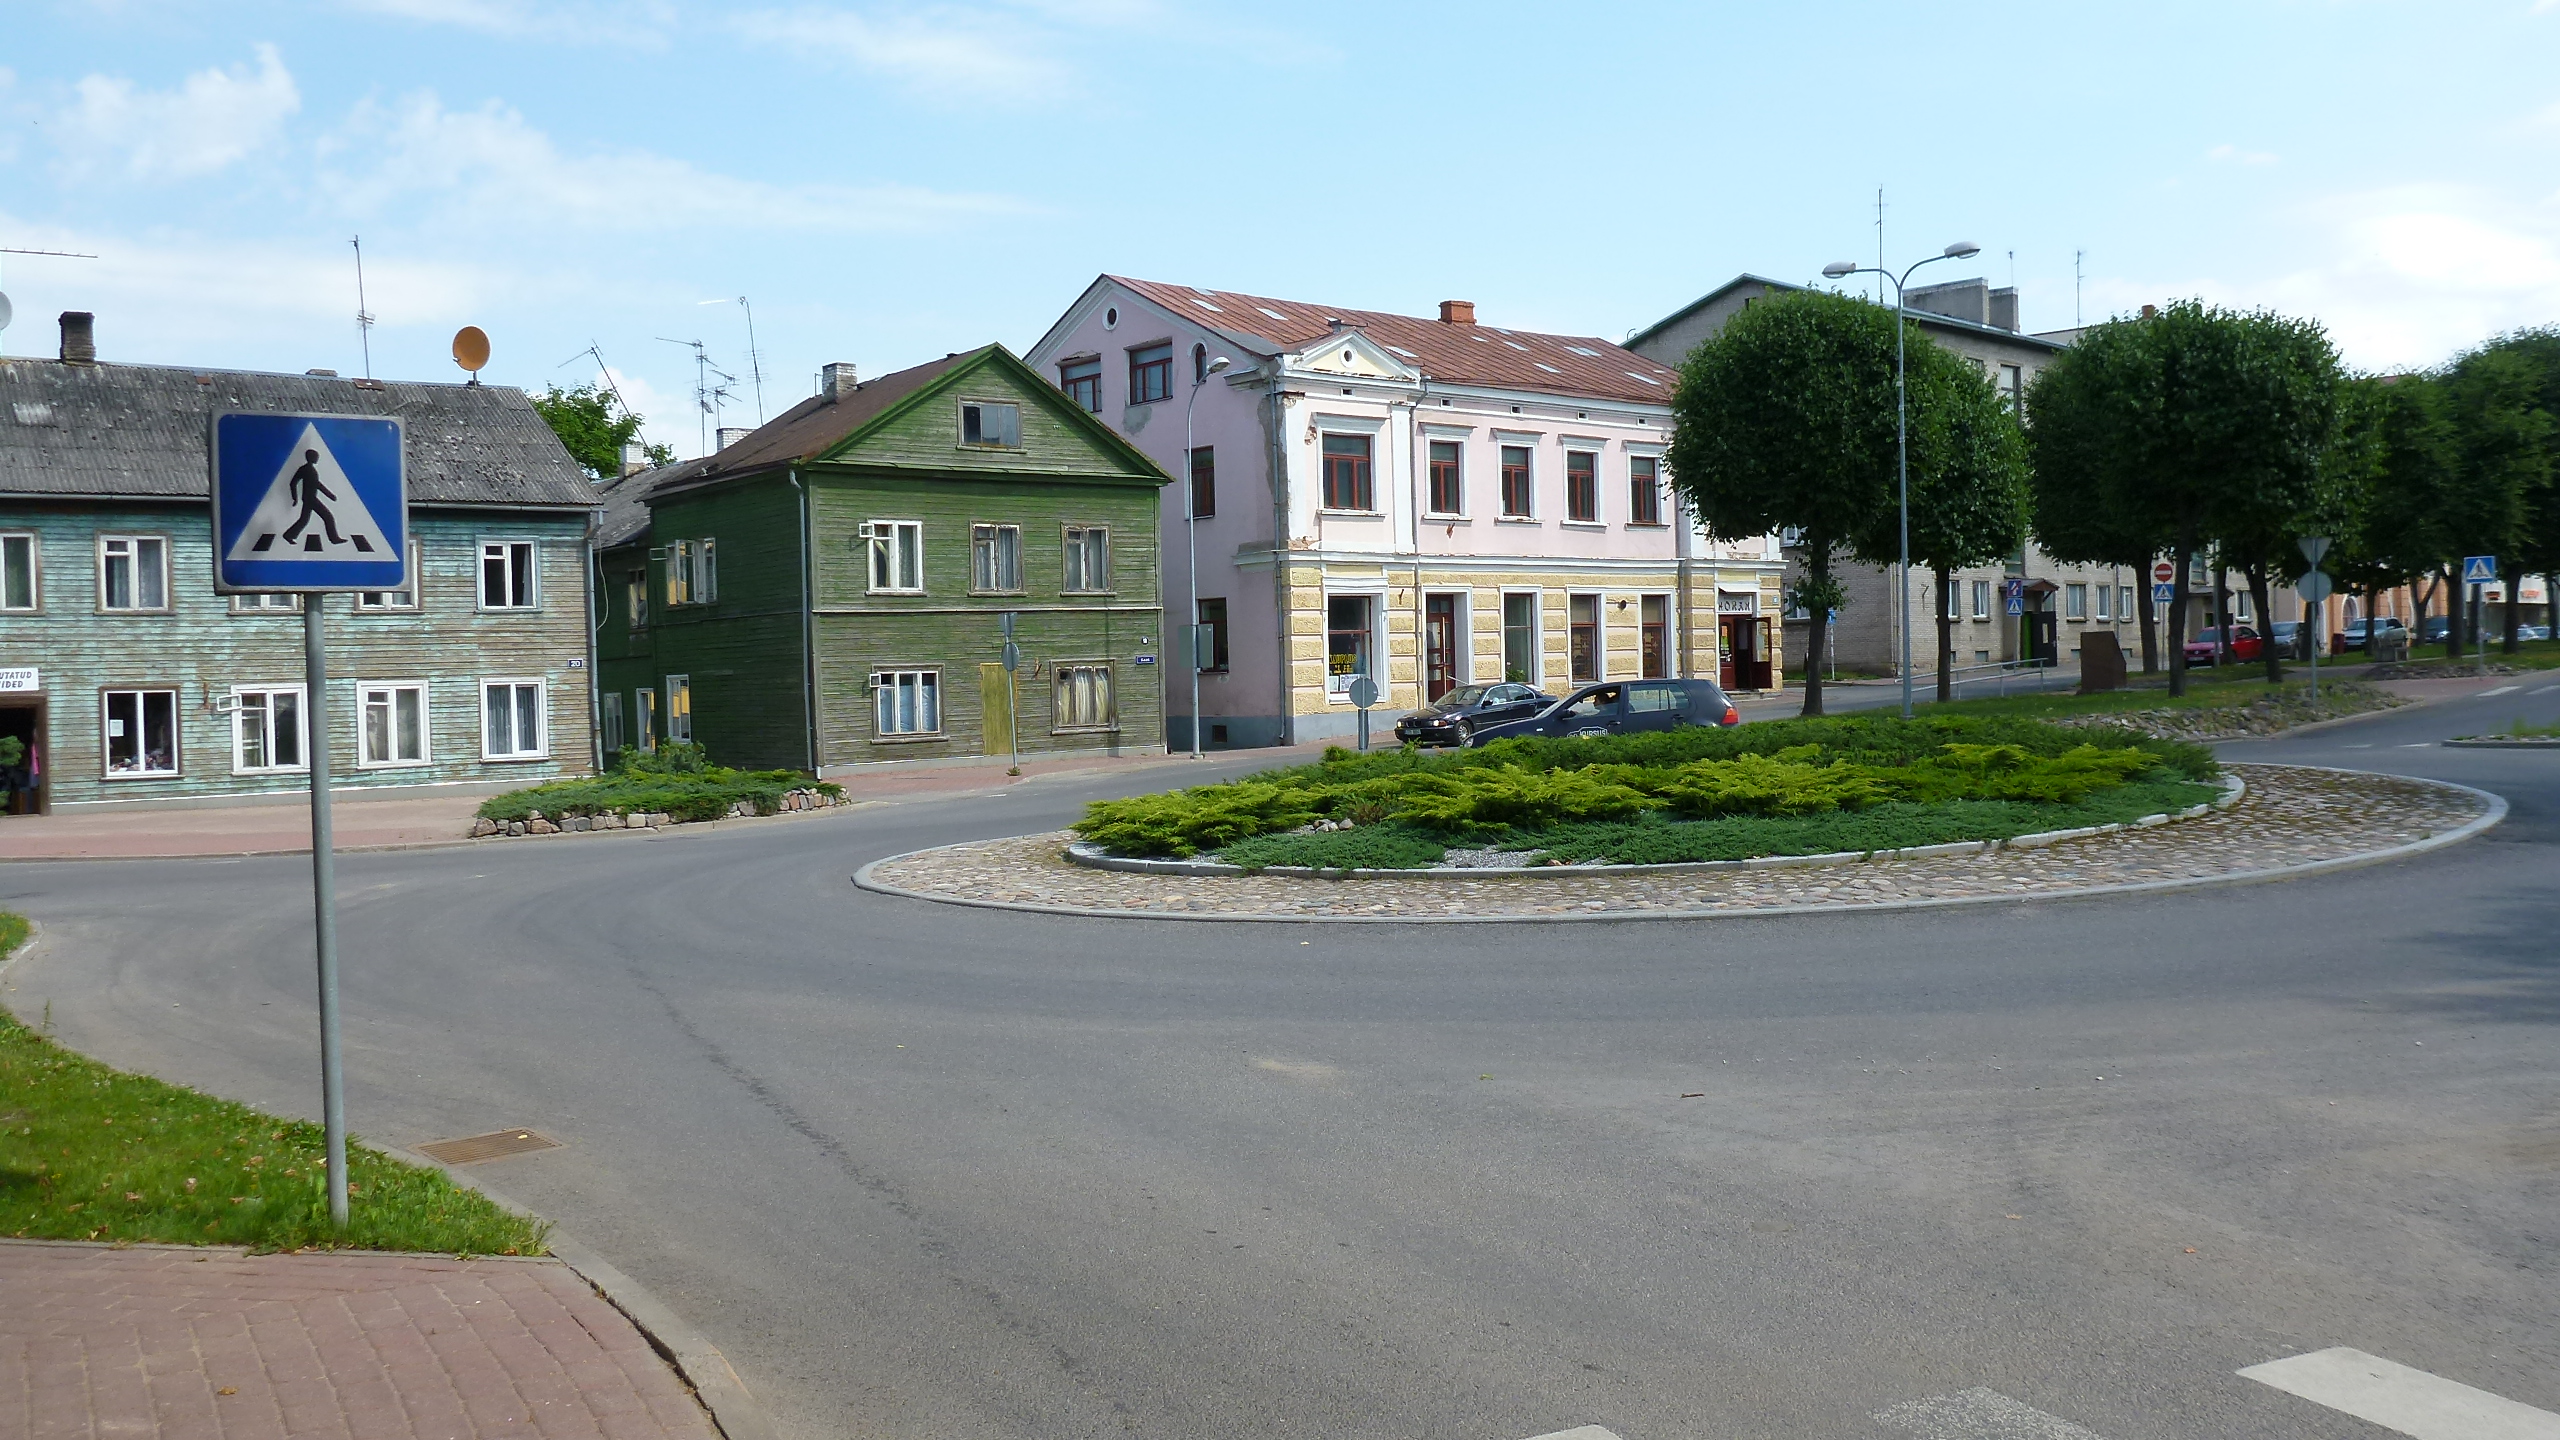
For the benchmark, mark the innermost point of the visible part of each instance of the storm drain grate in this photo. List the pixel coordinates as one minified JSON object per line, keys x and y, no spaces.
{"x":497,"y":1145}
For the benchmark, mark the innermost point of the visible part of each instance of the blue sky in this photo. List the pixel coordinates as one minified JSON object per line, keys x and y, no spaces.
{"x":888,"y":182}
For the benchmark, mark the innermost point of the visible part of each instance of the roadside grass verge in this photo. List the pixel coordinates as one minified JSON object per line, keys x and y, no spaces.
{"x":92,"y":1153}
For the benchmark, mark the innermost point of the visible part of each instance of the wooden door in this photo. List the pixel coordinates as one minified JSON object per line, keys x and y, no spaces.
{"x":995,"y":709}
{"x":1439,"y":645}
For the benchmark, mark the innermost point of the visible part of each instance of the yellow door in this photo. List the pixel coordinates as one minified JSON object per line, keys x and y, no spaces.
{"x":995,"y":703}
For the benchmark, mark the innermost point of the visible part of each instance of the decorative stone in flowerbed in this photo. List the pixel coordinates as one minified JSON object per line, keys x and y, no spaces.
{"x":2268,"y":714}
{"x":536,"y":822}
{"x":2288,"y":819}
{"x":670,"y":785}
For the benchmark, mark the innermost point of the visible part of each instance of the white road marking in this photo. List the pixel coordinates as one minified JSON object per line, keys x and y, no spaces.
{"x":2418,"y":745}
{"x":1579,"y":1432}
{"x":2365,"y":745}
{"x":2547,"y":689}
{"x":1979,"y":1414}
{"x":2501,"y":690}
{"x":2413,"y":1402}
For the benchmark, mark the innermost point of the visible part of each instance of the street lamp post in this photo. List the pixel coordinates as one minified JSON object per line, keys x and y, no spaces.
{"x":1191,"y":539}
{"x":1961,"y":250}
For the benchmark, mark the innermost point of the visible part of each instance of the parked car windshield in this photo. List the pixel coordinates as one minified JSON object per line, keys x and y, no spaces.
{"x":1465,"y":695}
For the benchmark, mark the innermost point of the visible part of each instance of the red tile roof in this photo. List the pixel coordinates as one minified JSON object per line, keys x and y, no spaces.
{"x":1458,"y":354}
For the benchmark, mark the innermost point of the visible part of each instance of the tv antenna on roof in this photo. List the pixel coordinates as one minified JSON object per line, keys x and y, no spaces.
{"x":755,"y":358}
{"x":364,"y":317}
{"x":707,"y":397}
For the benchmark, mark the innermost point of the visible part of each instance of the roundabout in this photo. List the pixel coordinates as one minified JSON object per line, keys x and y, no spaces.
{"x":2286,"y":820}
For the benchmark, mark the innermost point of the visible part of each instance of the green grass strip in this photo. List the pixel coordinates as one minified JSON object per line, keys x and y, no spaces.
{"x":88,"y":1152}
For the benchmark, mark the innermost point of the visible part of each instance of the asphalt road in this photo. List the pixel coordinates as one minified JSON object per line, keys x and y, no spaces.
{"x":929,"y":1171}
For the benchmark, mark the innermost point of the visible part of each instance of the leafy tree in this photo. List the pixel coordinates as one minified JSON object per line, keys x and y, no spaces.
{"x":1968,"y":485}
{"x":1786,"y":419}
{"x":592,"y":424}
{"x":2086,"y":494}
{"x":2390,"y":468}
{"x":2502,"y":442}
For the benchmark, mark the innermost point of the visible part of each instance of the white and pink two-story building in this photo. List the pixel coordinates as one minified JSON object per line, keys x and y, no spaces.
{"x":1430,"y":503}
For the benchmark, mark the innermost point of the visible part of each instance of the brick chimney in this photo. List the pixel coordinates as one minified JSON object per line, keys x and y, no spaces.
{"x":1457,"y":312}
{"x":836,"y":380}
{"x":79,"y":338}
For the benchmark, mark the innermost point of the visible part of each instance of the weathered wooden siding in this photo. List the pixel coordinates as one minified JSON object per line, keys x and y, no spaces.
{"x":1055,"y":442}
{"x":742,"y":650}
{"x":625,"y":659}
{"x":203,"y":650}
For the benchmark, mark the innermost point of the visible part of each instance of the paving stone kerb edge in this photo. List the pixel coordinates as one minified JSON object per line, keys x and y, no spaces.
{"x":2436,"y":813}
{"x":1094,"y":857}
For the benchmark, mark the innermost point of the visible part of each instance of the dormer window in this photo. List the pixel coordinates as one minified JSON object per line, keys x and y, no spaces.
{"x":992,"y":423}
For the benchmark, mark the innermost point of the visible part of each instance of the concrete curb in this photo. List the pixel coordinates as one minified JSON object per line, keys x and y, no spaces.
{"x":2485,"y":744}
{"x":2497,"y":811}
{"x":1093,"y":857}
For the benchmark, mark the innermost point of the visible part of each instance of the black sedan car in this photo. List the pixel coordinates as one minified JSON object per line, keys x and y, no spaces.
{"x":1623,"y":707}
{"x":1452,"y":718}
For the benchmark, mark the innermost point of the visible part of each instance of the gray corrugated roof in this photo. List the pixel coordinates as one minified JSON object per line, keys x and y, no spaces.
{"x":810,"y":428}
{"x":138,"y":431}
{"x":626,"y":506}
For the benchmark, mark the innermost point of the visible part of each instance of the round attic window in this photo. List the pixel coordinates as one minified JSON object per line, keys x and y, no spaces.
{"x":1346,"y":357}
{"x":1111,"y":318}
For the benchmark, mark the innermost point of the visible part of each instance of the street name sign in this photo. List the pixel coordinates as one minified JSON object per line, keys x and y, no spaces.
{"x":308,"y":503}
{"x":2479,"y":569}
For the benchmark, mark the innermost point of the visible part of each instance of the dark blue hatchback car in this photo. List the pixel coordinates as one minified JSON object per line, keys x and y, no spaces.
{"x":1623,"y":707}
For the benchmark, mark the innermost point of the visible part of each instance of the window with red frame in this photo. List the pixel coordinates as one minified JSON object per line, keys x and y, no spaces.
{"x":1581,"y":485}
{"x":1644,"y":491}
{"x":1347,"y":480}
{"x":1515,"y":482}
{"x":1448,"y":494}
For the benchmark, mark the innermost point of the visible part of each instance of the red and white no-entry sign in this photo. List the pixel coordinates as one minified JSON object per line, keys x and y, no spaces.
{"x":2164,"y":573}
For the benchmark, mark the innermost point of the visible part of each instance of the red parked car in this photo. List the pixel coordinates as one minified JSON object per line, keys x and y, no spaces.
{"x":2244,"y":645}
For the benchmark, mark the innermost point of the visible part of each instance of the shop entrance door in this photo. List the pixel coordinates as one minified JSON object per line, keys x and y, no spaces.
{"x":1439,"y":645}
{"x":22,"y":789}
{"x":1735,"y":636}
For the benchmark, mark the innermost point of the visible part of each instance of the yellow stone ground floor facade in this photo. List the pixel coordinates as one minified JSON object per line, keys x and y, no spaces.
{"x":1419,"y":629}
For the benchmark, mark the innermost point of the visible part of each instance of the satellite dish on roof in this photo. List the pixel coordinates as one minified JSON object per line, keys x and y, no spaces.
{"x":471,"y":350}
{"x":5,"y":312}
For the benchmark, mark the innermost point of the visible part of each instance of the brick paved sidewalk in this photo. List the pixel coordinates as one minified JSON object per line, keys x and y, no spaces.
{"x":174,"y":1341}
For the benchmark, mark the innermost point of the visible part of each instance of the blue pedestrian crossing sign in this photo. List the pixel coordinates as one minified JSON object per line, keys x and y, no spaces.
{"x":309,"y":502}
{"x":2479,"y":569}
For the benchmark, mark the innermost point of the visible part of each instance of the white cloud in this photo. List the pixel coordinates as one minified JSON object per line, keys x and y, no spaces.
{"x":2234,"y":155}
{"x":976,"y":54}
{"x":490,"y":167}
{"x":212,"y":120}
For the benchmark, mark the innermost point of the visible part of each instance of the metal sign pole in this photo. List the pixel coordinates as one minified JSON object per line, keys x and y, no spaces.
{"x":324,"y":901}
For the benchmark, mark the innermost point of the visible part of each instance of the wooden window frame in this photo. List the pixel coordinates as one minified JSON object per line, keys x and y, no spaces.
{"x":177,"y":732}
{"x":1644,"y":492}
{"x":1151,"y":372}
{"x":1081,"y":379}
{"x":987,"y":533}
{"x":168,"y":593}
{"x":532,"y":598}
{"x":871,"y":553}
{"x":1599,"y":628}
{"x":542,"y":717}
{"x":928,"y":677}
{"x":678,"y":689}
{"x":1363,"y":476}
{"x":365,"y":689}
{"x":301,"y":725}
{"x":1654,"y":637}
{"x":1527,"y":473}
{"x":1536,"y":678}
{"x":609,"y":725}
{"x":1217,"y":629}
{"x":1580,"y":485}
{"x":1059,"y":671}
{"x":377,"y":602}
{"x":1069,"y":538}
{"x":259,"y":603}
{"x":35,"y":572}
{"x":1454,"y":472}
{"x":984,"y":405}
{"x":1204,"y":482}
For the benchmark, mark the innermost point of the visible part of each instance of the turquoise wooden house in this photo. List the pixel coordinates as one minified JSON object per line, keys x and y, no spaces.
{"x":132,"y":684}
{"x":827,"y":592}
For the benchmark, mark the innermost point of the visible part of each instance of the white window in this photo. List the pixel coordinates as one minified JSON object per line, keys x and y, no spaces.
{"x":255,"y":604}
{"x":393,"y":723}
{"x":394,"y":599}
{"x":1088,"y":559}
{"x":267,"y":729}
{"x":706,"y":572}
{"x":1084,"y":698}
{"x":680,"y":708}
{"x":513,"y":720}
{"x":609,"y":720}
{"x":995,"y":558}
{"x":141,"y":732}
{"x":906,"y":702}
{"x":20,"y":588}
{"x":2013,"y":390}
{"x":991,"y":422}
{"x":2075,"y":602}
{"x":897,"y":557}
{"x":2124,"y":601}
{"x":1981,"y":599}
{"x":507,"y":575}
{"x":1951,"y":604}
{"x":637,"y":594}
{"x":133,"y":572}
{"x":2103,"y":592}
{"x":644,"y":719}
{"x":2240,"y":604}
{"x":680,"y":573}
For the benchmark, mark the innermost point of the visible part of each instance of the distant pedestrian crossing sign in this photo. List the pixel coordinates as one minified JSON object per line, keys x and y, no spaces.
{"x":309,"y":502}
{"x":2479,"y":569}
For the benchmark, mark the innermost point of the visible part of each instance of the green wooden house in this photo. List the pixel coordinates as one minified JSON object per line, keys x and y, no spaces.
{"x":132,"y":684}
{"x":827,"y":591}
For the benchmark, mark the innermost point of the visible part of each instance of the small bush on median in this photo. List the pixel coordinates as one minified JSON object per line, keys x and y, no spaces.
{"x":677,"y":780}
{"x":1370,"y":847}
